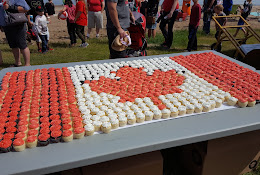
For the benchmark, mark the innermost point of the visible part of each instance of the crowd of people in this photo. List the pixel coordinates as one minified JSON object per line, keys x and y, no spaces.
{"x":119,"y":15}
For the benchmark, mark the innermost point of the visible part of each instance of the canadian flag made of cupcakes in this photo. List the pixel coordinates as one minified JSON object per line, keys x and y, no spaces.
{"x":58,"y":105}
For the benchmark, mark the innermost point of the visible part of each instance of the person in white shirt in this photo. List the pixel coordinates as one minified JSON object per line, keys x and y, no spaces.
{"x":42,"y":28}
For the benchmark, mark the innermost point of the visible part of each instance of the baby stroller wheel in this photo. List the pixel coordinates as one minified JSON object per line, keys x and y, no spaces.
{"x":218,"y":49}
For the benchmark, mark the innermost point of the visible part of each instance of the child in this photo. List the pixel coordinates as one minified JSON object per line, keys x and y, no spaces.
{"x":42,"y":28}
{"x":218,"y":9}
{"x":71,"y":25}
{"x":244,"y":13}
{"x":193,"y":25}
{"x":151,"y":14}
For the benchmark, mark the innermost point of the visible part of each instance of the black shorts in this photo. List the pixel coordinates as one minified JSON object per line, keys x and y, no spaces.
{"x":16,"y":36}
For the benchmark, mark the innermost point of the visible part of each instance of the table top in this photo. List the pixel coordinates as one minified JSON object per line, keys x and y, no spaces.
{"x":130,"y":141}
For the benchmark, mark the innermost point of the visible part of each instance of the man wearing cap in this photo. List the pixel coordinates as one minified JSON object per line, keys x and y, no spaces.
{"x":118,"y":20}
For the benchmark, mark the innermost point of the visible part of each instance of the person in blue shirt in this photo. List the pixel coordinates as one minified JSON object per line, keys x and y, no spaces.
{"x":16,"y":35}
{"x":227,"y":4}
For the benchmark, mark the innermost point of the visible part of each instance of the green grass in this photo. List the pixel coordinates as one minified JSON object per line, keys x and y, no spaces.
{"x":98,"y":49}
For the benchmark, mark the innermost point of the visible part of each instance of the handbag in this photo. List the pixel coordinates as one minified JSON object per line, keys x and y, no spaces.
{"x":151,"y":19}
{"x":13,"y":19}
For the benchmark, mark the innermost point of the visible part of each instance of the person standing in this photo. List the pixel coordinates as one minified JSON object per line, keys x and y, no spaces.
{"x":50,"y":7}
{"x":245,"y":12}
{"x":16,"y":35}
{"x":193,"y":25}
{"x":70,"y":8}
{"x":42,"y":28}
{"x":33,"y":5}
{"x":151,"y":14}
{"x":208,"y":6}
{"x":81,"y":21}
{"x":169,"y":13}
{"x":95,"y":16}
{"x":218,"y":9}
{"x":118,"y":20}
{"x":227,"y":4}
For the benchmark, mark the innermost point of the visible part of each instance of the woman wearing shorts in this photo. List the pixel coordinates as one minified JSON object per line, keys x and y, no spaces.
{"x":95,"y":16}
{"x":16,"y":35}
{"x":151,"y":14}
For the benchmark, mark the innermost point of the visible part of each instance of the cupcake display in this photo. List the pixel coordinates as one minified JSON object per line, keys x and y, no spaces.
{"x":47,"y":106}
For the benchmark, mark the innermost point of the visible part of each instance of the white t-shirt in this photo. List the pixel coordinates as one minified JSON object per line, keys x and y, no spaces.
{"x":41,"y":24}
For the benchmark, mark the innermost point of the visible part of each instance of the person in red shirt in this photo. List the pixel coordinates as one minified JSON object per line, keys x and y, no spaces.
{"x":193,"y":25}
{"x":169,"y":12}
{"x":95,"y":16}
{"x":81,"y":21}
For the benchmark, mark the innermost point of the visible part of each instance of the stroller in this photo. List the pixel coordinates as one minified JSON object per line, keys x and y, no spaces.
{"x":137,"y":33}
{"x":30,"y":35}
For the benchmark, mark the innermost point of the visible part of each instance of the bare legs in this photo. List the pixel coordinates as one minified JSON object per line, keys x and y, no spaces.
{"x":238,"y":31}
{"x":89,"y":31}
{"x":17,"y":56}
{"x":26,"y":55}
{"x":151,"y":32}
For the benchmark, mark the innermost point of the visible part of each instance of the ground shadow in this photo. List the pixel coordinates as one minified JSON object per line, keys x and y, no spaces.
{"x":59,"y":44}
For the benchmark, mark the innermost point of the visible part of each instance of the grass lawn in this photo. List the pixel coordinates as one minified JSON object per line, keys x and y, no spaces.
{"x":98,"y":49}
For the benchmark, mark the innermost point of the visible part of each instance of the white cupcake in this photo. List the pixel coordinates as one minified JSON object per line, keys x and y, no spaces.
{"x":140,"y":117}
{"x":212,"y":103}
{"x":174,"y":112}
{"x":94,"y":111}
{"x":131,"y":119}
{"x":190,"y":109}
{"x":218,"y":102}
{"x":86,"y":117}
{"x":157,"y":114}
{"x":148,"y":115}
{"x":114,"y":123}
{"x":104,"y":119}
{"x":182,"y":110}
{"x":227,"y":96}
{"x":89,"y":128}
{"x":106,"y":127}
{"x":198,"y":108}
{"x":87,"y":121}
{"x":206,"y":107}
{"x":232,"y":101}
{"x":122,"y":121}
{"x":97,"y":125}
{"x":95,"y":117}
{"x":166,"y":113}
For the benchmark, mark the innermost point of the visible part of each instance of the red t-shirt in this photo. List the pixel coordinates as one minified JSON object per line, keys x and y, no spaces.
{"x":94,"y":5}
{"x":82,"y":19}
{"x":195,"y":15}
{"x":167,"y":5}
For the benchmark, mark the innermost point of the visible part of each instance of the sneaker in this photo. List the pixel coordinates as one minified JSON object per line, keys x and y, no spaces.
{"x":164,"y":47}
{"x":97,"y":35}
{"x":50,"y":49}
{"x":88,"y":36}
{"x":40,"y":50}
{"x":84,"y":45}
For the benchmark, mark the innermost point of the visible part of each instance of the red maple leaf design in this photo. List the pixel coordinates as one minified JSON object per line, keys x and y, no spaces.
{"x":135,"y":83}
